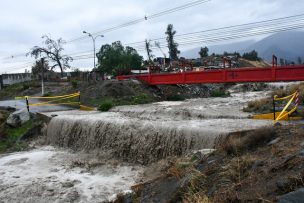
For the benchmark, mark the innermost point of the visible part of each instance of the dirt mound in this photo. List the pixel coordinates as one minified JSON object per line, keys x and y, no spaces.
{"x":247,"y":63}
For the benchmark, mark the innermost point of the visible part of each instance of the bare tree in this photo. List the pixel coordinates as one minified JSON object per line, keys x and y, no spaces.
{"x":52,"y":51}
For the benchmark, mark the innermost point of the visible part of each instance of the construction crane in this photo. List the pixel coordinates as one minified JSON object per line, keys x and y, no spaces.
{"x":157,"y":44}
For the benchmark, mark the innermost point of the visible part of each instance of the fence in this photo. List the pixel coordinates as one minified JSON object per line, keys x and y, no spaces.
{"x":284,"y":114}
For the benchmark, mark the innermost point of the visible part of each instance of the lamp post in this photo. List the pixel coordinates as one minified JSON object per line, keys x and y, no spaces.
{"x":93,"y":38}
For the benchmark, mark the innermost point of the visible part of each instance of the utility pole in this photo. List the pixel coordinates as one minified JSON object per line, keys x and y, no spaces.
{"x":93,"y":38}
{"x":42,"y":76}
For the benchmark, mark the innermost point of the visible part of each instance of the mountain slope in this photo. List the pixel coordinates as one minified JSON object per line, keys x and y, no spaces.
{"x":287,"y":45}
{"x":219,"y":49}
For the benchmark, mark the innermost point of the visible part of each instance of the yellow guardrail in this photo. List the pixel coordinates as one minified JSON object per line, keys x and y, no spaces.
{"x":284,"y":113}
{"x":55,"y":101}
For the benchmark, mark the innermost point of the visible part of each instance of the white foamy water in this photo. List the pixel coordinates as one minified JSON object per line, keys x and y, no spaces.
{"x":48,"y":175}
{"x":147,"y":133}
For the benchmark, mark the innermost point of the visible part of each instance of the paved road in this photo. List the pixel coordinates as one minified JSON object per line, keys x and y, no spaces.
{"x":20,"y":104}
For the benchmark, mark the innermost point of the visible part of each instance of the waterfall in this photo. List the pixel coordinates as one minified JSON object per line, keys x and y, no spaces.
{"x":133,"y":140}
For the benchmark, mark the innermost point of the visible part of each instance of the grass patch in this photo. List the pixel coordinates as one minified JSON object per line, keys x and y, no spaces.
{"x":12,"y":136}
{"x":260,"y":106}
{"x":141,"y":99}
{"x":74,"y":84}
{"x":107,"y":103}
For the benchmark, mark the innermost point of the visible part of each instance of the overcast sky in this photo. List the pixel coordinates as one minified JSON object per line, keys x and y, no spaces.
{"x":23,"y":22}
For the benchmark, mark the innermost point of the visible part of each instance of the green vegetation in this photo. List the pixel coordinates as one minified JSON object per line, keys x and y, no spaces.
{"x":176,"y":97}
{"x":219,"y":93}
{"x":252,"y":56}
{"x":203,"y":52}
{"x":14,"y":90}
{"x":115,"y":59}
{"x":105,"y":105}
{"x":74,"y":84}
{"x":12,"y":135}
{"x":172,"y":45}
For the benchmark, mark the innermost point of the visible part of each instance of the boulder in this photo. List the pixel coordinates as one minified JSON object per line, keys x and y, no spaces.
{"x":17,"y":118}
{"x":293,"y":197}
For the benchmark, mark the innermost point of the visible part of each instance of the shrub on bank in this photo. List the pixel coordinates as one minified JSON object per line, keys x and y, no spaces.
{"x":74,"y":83}
{"x":105,"y":105}
{"x":219,"y":93}
{"x":176,"y":97}
{"x":141,"y":99}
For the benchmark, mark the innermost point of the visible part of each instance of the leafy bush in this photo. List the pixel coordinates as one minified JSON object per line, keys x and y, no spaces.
{"x":176,"y":97}
{"x":74,"y":83}
{"x":141,"y":99}
{"x":25,"y":86}
{"x":105,"y":105}
{"x":48,"y":94}
{"x":219,"y":93}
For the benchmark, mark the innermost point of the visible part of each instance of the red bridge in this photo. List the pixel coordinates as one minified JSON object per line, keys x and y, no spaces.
{"x":236,"y":75}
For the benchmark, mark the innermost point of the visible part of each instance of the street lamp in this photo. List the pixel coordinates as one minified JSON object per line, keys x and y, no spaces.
{"x":93,"y":38}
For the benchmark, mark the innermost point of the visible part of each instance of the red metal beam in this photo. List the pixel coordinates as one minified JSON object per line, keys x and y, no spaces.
{"x":272,"y":74}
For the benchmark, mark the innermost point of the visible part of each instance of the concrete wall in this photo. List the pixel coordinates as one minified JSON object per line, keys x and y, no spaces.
{"x":9,"y":79}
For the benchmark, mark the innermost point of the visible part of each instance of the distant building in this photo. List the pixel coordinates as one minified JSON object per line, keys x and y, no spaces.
{"x":10,"y":79}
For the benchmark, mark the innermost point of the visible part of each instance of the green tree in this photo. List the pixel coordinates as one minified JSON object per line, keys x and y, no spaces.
{"x":172,"y":45}
{"x":37,"y":67}
{"x":252,"y":56}
{"x":115,"y":59}
{"x":203,"y":52}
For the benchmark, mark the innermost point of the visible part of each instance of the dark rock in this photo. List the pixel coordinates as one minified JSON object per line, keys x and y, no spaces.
{"x":257,"y":164}
{"x":301,"y":153}
{"x":293,"y":197}
{"x":282,"y":184}
{"x":161,"y":191}
{"x":211,"y":190}
{"x":67,"y":184}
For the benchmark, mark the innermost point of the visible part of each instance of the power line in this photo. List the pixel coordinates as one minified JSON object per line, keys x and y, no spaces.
{"x":222,"y":34}
{"x":249,"y":25}
{"x":145,"y":18}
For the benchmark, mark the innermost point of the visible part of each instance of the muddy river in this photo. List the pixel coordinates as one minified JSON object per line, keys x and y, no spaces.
{"x":142,"y":134}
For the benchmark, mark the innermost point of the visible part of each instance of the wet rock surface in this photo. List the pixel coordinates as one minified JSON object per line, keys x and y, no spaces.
{"x":17,"y":118}
{"x":293,"y":197}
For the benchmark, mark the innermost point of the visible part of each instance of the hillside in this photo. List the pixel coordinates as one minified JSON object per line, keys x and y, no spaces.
{"x":288,"y":45}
